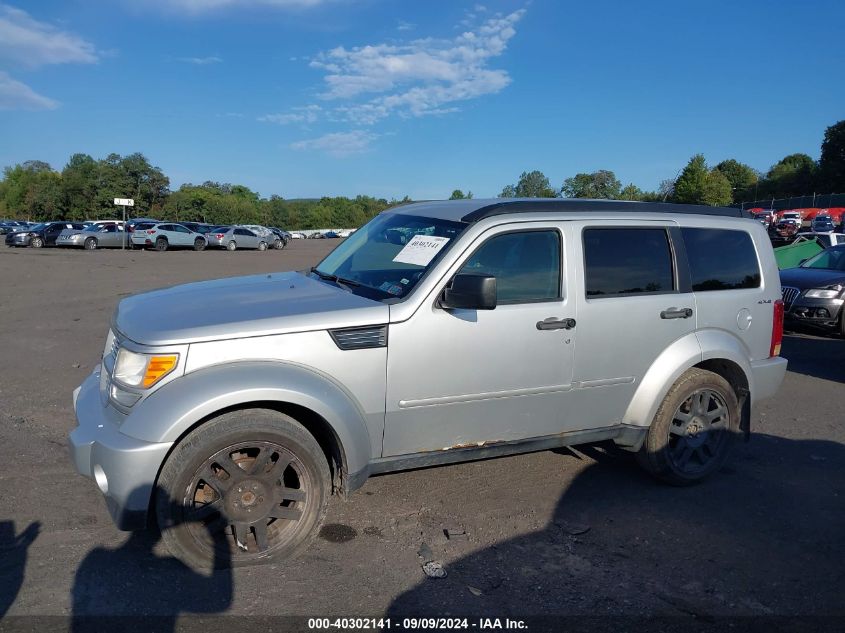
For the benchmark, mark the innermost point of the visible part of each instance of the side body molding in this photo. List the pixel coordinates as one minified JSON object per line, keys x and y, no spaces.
{"x":169,"y":412}
{"x":666,"y":369}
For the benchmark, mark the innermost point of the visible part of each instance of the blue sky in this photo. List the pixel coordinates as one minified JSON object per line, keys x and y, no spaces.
{"x":387,"y":97}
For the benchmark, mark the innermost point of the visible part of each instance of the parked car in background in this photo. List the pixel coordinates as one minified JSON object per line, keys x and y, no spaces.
{"x":167,"y":235}
{"x":296,"y":235}
{"x":234,"y":237}
{"x":784,"y":231}
{"x":345,"y":232}
{"x":766,"y":217}
{"x":331,"y":235}
{"x":10,"y":226}
{"x":284,"y":237}
{"x":95,"y":236}
{"x":825,"y":239}
{"x":198,"y":227}
{"x":822,"y":224}
{"x":814,"y":292}
{"x":119,"y":223}
{"x":43,"y":234}
{"x":792,"y":216}
{"x":317,"y":236}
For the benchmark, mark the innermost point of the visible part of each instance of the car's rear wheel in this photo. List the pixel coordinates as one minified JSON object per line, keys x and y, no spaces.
{"x":262,"y":246}
{"x":248,"y":487}
{"x":231,"y":246}
{"x":279,"y":244}
{"x":199,"y":244}
{"x":161,"y":244}
{"x":91,"y":244}
{"x":693,"y":430}
{"x":36,"y":242}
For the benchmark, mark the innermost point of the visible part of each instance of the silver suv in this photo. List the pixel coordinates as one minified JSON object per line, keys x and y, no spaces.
{"x":439,"y":332}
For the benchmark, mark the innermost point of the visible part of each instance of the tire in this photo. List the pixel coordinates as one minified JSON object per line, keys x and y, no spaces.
{"x":161,"y":244}
{"x":278,"y":244}
{"x":262,"y":246}
{"x":199,"y":244}
{"x":842,"y":321}
{"x":36,"y":242}
{"x":693,"y":430}
{"x":90,"y":244}
{"x":198,"y":513}
{"x":231,"y":246}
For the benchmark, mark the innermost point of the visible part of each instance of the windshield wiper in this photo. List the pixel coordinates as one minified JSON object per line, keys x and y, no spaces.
{"x":340,"y":281}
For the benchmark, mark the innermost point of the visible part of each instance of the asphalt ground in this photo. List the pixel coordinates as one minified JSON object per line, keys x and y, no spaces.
{"x":579,"y":536}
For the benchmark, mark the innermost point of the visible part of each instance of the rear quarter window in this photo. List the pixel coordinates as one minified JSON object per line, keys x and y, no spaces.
{"x":721,"y":259}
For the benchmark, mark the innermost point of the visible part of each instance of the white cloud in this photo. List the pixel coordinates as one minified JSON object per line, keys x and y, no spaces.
{"x":423,"y":77}
{"x":15,"y":95}
{"x":30,"y":43}
{"x":338,"y":144}
{"x":201,"y":61}
{"x":306,"y":114}
{"x":405,"y":26}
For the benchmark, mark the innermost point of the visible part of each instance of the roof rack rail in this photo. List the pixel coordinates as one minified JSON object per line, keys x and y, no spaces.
{"x":576,"y":205}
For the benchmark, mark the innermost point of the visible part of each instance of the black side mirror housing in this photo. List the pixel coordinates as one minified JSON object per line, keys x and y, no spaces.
{"x":470,"y":292}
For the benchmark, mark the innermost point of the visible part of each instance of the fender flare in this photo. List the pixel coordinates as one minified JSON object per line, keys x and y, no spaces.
{"x":168,"y":413}
{"x":686,"y":352}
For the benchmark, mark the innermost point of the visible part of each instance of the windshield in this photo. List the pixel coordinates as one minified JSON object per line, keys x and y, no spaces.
{"x":830,"y":259}
{"x":383,"y":258}
{"x":38,"y":227}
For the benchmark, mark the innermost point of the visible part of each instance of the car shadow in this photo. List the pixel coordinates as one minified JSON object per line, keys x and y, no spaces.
{"x":13,"y":555}
{"x":134,"y":580}
{"x":817,"y":357}
{"x":762,"y":538}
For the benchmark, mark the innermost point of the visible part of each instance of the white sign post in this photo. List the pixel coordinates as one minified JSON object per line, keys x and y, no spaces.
{"x":124,"y":202}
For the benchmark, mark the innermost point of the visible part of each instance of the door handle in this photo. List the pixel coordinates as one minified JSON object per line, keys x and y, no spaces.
{"x":552,"y":323}
{"x":676,"y":313}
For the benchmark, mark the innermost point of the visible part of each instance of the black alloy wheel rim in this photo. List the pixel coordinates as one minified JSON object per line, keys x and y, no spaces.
{"x":249,"y":498}
{"x":698,"y":432}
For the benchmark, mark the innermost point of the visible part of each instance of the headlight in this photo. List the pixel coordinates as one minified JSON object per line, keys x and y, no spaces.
{"x":142,"y":370}
{"x":831,"y":292}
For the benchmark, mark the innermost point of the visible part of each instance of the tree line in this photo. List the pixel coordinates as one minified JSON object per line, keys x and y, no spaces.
{"x":85,"y":189}
{"x":728,"y":182}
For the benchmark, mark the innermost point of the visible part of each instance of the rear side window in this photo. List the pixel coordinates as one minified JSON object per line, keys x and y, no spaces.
{"x":721,"y":259}
{"x":627,"y":261}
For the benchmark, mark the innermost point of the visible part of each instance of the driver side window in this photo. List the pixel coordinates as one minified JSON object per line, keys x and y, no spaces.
{"x":526,"y":265}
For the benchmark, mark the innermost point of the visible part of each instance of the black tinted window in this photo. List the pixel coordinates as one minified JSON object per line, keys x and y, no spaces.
{"x":627,"y":261}
{"x":720,"y":259}
{"x":526,"y":265}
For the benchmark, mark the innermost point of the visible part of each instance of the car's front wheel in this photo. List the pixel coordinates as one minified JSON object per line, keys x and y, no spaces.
{"x":262,"y":246}
{"x":91,"y":244}
{"x":248,"y":487}
{"x":693,"y":429}
{"x":36,"y":242}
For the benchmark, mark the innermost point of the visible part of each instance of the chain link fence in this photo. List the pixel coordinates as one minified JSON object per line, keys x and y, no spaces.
{"x":814,"y":201}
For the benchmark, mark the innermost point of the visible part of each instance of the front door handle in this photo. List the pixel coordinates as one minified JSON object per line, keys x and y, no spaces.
{"x":552,"y":323}
{"x":676,"y":313}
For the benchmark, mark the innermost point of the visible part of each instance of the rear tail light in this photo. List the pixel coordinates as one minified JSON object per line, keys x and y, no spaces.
{"x":219,"y":236}
{"x":131,"y":229}
{"x":777,"y":329}
{"x":151,"y":231}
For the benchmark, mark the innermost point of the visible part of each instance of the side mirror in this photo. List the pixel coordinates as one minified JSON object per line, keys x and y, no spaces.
{"x":470,"y":292}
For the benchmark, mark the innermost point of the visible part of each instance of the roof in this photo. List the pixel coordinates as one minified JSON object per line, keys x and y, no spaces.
{"x":475,"y":210}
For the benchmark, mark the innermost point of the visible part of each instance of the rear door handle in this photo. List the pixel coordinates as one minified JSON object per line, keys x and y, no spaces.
{"x":676,"y":313}
{"x":552,"y":323}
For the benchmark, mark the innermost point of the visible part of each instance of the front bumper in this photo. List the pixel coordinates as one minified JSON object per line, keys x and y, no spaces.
{"x":13,"y":239}
{"x":816,"y":312}
{"x":123,"y":467}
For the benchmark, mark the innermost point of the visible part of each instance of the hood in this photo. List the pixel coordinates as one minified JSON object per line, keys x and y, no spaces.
{"x":239,"y":307}
{"x":804,"y":278}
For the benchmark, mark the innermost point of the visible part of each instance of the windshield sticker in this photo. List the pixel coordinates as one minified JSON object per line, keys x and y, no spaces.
{"x":391,"y":288}
{"x":421,"y":250}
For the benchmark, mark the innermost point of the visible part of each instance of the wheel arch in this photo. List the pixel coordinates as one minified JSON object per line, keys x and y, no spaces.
{"x":712,"y":350}
{"x":326,"y":410}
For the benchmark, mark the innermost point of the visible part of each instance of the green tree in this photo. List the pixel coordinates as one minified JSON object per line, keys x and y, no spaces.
{"x":599,"y":184}
{"x":631,"y":192}
{"x":532,"y":184}
{"x":793,"y":175}
{"x":832,"y":159}
{"x":79,"y":186}
{"x":717,"y":190}
{"x":699,"y":185}
{"x":457,"y":194}
{"x":741,"y":177}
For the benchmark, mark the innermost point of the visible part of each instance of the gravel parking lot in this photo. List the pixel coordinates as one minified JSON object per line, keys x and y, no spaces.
{"x":580,"y":532}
